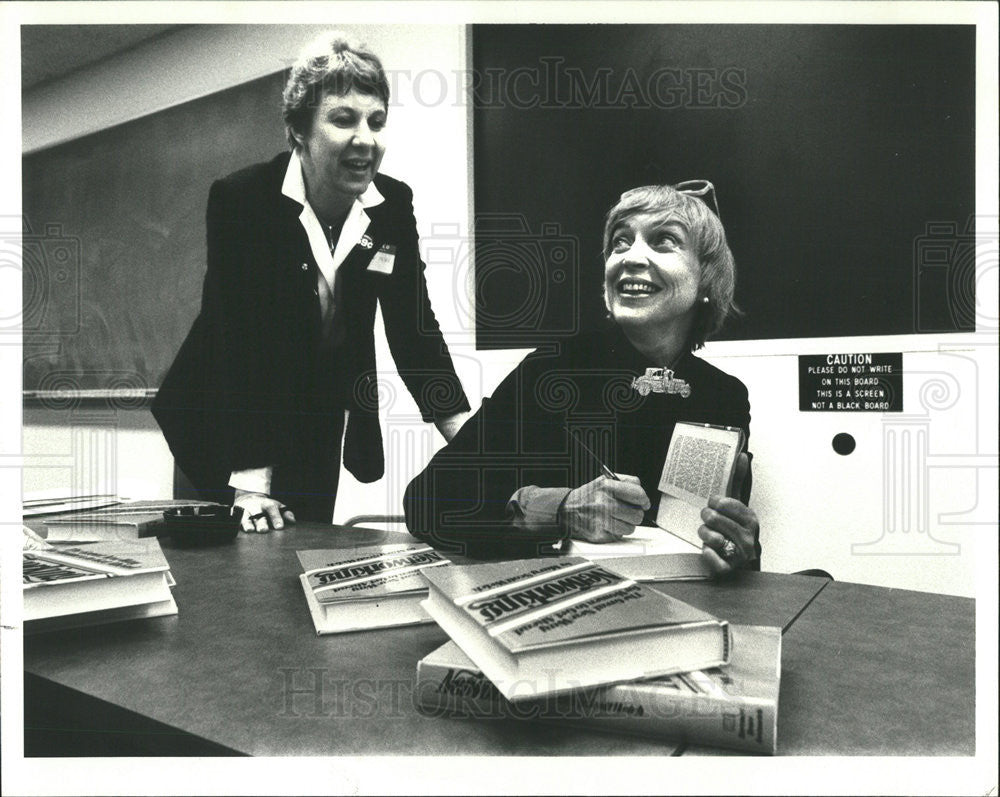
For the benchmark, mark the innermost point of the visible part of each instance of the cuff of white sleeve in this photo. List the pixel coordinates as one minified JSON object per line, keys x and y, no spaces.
{"x":253,"y":480}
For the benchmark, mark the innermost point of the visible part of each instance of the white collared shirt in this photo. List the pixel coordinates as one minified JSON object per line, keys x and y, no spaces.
{"x":355,"y":226}
{"x":258,"y":480}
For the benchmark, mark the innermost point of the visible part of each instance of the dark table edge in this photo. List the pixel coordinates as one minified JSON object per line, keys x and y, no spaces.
{"x":806,"y":605}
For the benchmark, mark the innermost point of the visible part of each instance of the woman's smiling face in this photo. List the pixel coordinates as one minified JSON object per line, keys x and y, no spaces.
{"x":343,"y":148}
{"x":652,"y":273}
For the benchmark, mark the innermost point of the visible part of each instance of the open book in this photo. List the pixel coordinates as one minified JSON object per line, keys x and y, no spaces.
{"x":700,"y":463}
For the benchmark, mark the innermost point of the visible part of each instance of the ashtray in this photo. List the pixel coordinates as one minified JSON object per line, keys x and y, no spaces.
{"x":208,"y":524}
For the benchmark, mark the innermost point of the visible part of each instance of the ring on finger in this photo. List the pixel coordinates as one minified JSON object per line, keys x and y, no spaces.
{"x":254,"y":528}
{"x":729,"y":550}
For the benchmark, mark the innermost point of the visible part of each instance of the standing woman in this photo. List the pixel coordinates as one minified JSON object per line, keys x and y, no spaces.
{"x":278,"y":371}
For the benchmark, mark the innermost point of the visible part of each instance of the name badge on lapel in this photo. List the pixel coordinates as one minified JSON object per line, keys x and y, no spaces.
{"x":384,"y":259}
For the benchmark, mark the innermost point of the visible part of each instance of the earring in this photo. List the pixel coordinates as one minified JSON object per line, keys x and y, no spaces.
{"x":704,"y":300}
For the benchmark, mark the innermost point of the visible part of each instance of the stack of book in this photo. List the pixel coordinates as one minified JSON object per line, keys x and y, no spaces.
{"x":569,"y":639}
{"x":91,"y":519}
{"x":56,"y":503}
{"x":103,"y":582}
{"x":374,"y":586}
{"x":563,"y":639}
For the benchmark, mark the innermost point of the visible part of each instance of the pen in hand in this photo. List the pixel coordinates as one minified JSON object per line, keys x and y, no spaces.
{"x":604,"y":468}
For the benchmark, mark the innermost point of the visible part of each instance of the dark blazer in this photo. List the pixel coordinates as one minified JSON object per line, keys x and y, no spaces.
{"x":252,"y":385}
{"x":519,"y":438}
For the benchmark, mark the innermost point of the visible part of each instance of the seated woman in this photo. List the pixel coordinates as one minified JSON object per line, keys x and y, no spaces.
{"x":513,"y":482}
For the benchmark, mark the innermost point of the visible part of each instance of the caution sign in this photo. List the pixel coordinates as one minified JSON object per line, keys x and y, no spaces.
{"x":851,"y":382}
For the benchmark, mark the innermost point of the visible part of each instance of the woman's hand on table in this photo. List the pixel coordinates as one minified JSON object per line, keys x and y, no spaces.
{"x":261,"y":513}
{"x":729,"y":527}
{"x":605,"y":509}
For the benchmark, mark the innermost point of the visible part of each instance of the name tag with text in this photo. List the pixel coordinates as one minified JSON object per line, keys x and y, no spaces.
{"x":384,"y":259}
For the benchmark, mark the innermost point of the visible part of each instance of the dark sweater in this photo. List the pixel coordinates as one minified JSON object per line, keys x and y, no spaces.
{"x":518,"y":438}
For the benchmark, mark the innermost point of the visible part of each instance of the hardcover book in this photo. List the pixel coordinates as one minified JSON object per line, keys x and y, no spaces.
{"x":100,"y":582}
{"x":123,"y":521}
{"x":58,"y":503}
{"x":542,"y":626}
{"x":735,"y":706}
{"x":371,"y":587}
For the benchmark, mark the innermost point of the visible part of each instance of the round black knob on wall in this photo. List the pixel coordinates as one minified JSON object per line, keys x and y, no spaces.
{"x":844,"y":443}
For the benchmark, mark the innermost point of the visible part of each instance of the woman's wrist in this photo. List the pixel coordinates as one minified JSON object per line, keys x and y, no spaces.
{"x":562,"y":523}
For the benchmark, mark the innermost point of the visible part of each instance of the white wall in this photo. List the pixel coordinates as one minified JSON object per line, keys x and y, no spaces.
{"x":90,"y":451}
{"x":910,"y":517}
{"x":915,"y":502}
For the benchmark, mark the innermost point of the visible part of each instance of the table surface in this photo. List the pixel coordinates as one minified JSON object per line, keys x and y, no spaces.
{"x":240,"y":668}
{"x":874,"y":671}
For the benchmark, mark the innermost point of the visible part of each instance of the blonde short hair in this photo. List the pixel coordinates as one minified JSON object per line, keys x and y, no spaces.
{"x":330,"y":64}
{"x":718,"y":269}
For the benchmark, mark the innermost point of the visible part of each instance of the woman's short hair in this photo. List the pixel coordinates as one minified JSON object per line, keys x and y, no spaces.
{"x":718,"y":269}
{"x":330,"y":64}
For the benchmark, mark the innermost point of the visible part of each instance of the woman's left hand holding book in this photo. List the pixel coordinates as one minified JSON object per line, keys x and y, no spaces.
{"x":729,"y":527}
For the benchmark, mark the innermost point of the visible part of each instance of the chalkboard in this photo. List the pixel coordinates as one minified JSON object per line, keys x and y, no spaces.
{"x":114,"y":237}
{"x":843,"y":157}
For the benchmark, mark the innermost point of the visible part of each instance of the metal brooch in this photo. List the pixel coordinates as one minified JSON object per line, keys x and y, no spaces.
{"x":660,"y":380}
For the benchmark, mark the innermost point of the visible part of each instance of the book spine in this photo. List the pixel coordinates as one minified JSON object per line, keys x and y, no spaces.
{"x":743,"y":724}
{"x":105,"y":528}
